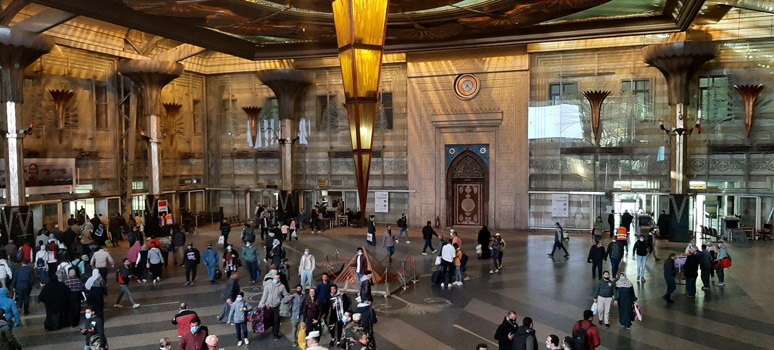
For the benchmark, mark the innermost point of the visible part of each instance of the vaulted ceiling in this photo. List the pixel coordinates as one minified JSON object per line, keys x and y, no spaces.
{"x":263,"y":29}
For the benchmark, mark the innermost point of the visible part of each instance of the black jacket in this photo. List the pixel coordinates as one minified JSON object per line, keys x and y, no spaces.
{"x":192,"y":257}
{"x":8,"y":342}
{"x":525,"y":339}
{"x":367,"y":316}
{"x":626,"y":220}
{"x":428,"y":232}
{"x":365,"y":291}
{"x":95,"y":326}
{"x":691,"y":267}
{"x":640,"y":248}
{"x":371,"y":227}
{"x":501,"y":335}
{"x":669,"y":269}
{"x":232,"y":289}
{"x":597,"y":254}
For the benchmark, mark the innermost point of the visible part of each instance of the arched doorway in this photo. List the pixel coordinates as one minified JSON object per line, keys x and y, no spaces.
{"x":467,"y":190}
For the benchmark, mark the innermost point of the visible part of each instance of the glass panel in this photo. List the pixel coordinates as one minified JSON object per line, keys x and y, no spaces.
{"x":345,"y":58}
{"x":370,"y":19}
{"x":342,"y":20}
{"x":369,"y":64}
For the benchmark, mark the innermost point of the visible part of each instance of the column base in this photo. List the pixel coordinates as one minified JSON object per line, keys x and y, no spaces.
{"x":288,"y":204}
{"x":679,"y":223}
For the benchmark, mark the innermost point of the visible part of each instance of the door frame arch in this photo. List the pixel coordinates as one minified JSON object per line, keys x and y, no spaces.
{"x":451,"y":181}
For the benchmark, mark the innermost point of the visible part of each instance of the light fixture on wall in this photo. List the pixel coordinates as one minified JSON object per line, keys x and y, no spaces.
{"x":595,"y":99}
{"x":61,"y":99}
{"x":750,"y":96}
{"x":360,"y":30}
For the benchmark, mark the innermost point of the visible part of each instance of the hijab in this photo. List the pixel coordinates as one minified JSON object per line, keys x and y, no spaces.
{"x":134,"y":251}
{"x":95,"y":277}
{"x":623,"y":284}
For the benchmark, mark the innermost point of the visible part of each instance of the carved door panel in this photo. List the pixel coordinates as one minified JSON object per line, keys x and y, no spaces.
{"x":467,"y":204}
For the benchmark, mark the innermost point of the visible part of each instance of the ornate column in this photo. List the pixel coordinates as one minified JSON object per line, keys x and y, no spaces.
{"x":18,"y":49}
{"x":678,"y":62}
{"x":287,"y":84}
{"x":151,"y":76}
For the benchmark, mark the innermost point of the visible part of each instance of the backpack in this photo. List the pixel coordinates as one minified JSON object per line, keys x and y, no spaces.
{"x":579,"y":338}
{"x":40,"y":263}
{"x":463,"y":259}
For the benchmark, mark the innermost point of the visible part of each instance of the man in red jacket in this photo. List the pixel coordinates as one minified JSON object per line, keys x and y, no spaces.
{"x":194,"y":339}
{"x":592,"y":333}
{"x":183,"y":320}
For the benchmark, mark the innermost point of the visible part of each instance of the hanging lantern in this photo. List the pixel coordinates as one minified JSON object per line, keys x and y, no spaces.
{"x":62,"y":100}
{"x":360,"y":30}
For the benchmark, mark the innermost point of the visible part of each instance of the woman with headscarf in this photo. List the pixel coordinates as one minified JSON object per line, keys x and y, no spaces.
{"x":230,"y":260}
{"x":141,"y":265}
{"x":625,"y":298}
{"x":722,"y":254}
{"x":55,"y":295}
{"x":95,"y":292}
{"x":212,"y":342}
{"x":277,"y":253}
{"x":134,"y":253}
{"x":74,"y":298}
{"x":484,"y":237}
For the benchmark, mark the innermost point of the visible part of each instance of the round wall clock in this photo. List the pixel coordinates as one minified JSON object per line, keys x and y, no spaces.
{"x":466,"y":86}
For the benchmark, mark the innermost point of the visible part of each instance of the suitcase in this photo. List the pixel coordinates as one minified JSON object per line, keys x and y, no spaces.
{"x":436,"y":277}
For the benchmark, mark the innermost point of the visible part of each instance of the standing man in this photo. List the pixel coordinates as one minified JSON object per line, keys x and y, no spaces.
{"x":251,"y":256}
{"x":211,"y":260}
{"x":616,"y":252}
{"x":403,"y":225}
{"x":389,"y":241}
{"x":323,"y":293}
{"x":192,"y":259}
{"x":365,"y":288}
{"x":587,"y":328}
{"x":178,"y":245}
{"x":641,"y":250}
{"x":264,"y":224}
{"x":597,"y":255}
{"x":194,"y":339}
{"x":123,"y":275}
{"x":273,"y":293}
{"x":669,"y":275}
{"x":296,"y":316}
{"x":691,"y":271}
{"x":361,"y":265}
{"x":663,"y":224}
{"x":604,"y":294}
{"x":371,"y":230}
{"x":301,"y":218}
{"x":248,"y":235}
{"x":100,"y":261}
{"x":559,"y":241}
{"x":705,"y":262}
{"x":611,"y":223}
{"x":507,"y":331}
{"x":339,"y":304}
{"x":306,"y":269}
{"x":94,"y":326}
{"x":447,"y":263}
{"x":183,"y":320}
{"x":23,"y":279}
{"x":427,"y":235}
{"x":525,"y":337}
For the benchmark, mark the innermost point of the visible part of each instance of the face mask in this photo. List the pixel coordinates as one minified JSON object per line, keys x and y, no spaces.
{"x":162,"y":346}
{"x":642,"y":239}
{"x":247,"y":245}
{"x":359,"y":253}
{"x":275,"y":282}
{"x":229,"y":248}
{"x":548,"y":346}
{"x":306,"y":253}
{"x":194,"y":329}
{"x":209,"y":248}
{"x":622,"y":278}
{"x":239,"y":298}
{"x":344,"y":319}
{"x":88,"y":316}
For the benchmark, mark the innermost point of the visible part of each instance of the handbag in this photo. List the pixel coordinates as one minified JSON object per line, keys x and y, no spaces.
{"x":594,"y":308}
{"x":221,"y":240}
{"x":218,"y":274}
{"x":324,"y":330}
{"x":437,"y":260}
{"x":725,"y":262}
{"x":479,"y":251}
{"x":637,"y":312}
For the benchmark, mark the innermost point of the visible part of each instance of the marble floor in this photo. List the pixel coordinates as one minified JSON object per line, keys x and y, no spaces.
{"x":552,"y":291}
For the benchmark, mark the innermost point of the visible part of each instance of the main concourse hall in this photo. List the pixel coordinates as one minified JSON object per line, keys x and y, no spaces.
{"x":386,"y":174}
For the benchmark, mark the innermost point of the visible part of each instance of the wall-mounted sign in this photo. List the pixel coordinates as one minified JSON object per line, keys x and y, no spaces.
{"x":560,"y":205}
{"x":322,"y":183}
{"x":382,"y":204}
{"x":45,"y":175}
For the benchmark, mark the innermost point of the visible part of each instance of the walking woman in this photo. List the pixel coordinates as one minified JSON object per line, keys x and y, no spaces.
{"x":141,"y":267}
{"x":483,"y":239}
{"x":722,"y":254}
{"x":155,"y":261}
{"x":230,"y":261}
{"x":95,"y":292}
{"x":238,"y":317}
{"x":625,"y":298}
{"x":559,"y":241}
{"x":494,"y":249}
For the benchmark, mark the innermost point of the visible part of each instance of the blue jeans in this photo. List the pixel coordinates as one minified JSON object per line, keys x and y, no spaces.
{"x":458,"y":272}
{"x":391,"y":250}
{"x":125,"y":290}
{"x":558,"y":244}
{"x":615,"y":262}
{"x":42,"y":273}
{"x":403,"y":231}
{"x":306,"y":277}
{"x":211,"y":272}
{"x":670,"y":287}
{"x":428,"y":243}
{"x":241,"y":330}
{"x":252,"y":270}
{"x":641,"y":260}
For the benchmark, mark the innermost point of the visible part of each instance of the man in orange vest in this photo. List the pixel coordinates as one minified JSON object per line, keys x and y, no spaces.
{"x":621,"y":235}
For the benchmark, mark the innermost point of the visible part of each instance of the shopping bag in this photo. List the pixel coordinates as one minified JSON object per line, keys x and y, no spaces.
{"x":437,"y":260}
{"x":725,"y":263}
{"x":324,"y":330}
{"x":302,"y":336}
{"x":221,"y":240}
{"x":594,"y":308}
{"x":637,"y":312}
{"x":479,"y":251}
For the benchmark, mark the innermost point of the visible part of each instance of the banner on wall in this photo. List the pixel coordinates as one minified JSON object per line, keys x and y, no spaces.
{"x":382,"y":204}
{"x":560,"y":205}
{"x":45,"y":175}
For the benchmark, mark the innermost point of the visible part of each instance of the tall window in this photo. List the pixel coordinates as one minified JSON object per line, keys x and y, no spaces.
{"x":101,"y":105}
{"x":385,"y":113}
{"x":327,"y":112}
{"x":198,"y":112}
{"x":716,"y":99}
{"x":640,"y":90}
{"x":556,"y":91}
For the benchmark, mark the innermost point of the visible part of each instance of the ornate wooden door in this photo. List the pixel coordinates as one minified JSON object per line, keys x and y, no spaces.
{"x":467,"y":190}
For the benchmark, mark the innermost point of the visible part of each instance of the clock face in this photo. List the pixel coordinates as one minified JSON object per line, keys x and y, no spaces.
{"x":466,"y":86}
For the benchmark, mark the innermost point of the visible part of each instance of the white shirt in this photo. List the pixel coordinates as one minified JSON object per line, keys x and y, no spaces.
{"x":447,"y":253}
